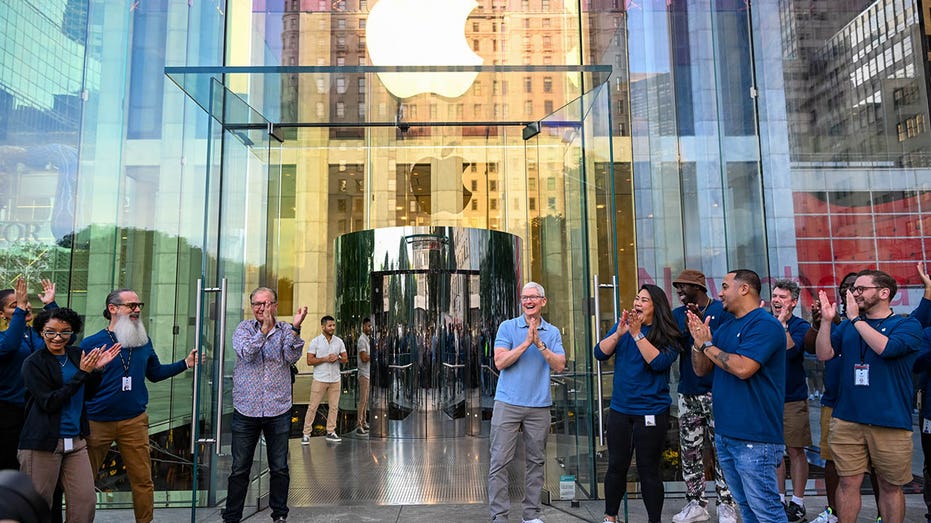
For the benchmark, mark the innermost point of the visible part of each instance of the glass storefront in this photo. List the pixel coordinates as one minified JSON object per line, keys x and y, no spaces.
{"x":158,"y":144}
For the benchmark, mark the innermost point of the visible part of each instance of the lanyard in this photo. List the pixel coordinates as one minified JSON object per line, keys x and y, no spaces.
{"x":126,"y":362}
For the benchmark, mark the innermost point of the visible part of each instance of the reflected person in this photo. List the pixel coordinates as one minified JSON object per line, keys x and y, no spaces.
{"x":527,"y":350}
{"x":363,"y":346}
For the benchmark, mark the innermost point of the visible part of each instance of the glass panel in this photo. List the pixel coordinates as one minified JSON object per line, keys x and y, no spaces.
{"x":569,"y":154}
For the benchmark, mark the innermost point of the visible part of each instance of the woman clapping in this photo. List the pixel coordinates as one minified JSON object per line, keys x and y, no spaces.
{"x":644,"y":343}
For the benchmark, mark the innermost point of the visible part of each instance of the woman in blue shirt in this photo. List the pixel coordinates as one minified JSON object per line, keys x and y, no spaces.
{"x":52,"y":447}
{"x":645,"y":344}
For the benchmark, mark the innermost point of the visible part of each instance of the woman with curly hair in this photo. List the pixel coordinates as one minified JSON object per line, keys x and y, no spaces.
{"x":645,"y":343}
{"x":58,"y":379}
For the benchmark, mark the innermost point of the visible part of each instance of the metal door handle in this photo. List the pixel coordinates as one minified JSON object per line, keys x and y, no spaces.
{"x":221,"y":350}
{"x":451,"y":366}
{"x":400,"y":366}
{"x":197,"y":347}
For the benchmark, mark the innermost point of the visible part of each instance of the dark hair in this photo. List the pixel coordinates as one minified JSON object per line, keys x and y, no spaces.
{"x":788,"y":285}
{"x":113,"y":299}
{"x":882,"y":280}
{"x":326,"y":318}
{"x":366,"y":320}
{"x":841,"y":299}
{"x":4,"y":294}
{"x":665,"y":331}
{"x":61,"y":314}
{"x":749,"y":277}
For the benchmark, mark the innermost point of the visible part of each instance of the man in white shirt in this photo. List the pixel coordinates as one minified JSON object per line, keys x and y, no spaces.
{"x":362,"y":346}
{"x":325,"y":353}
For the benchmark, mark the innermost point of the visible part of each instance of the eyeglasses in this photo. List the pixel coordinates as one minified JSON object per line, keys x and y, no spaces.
{"x":531,"y":298}
{"x":65,"y":335}
{"x":260,"y":304}
{"x":132,"y":305}
{"x":860,"y":288}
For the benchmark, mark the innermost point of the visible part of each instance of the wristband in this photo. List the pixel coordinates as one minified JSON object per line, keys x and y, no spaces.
{"x":296,"y":329}
{"x":855,"y":320}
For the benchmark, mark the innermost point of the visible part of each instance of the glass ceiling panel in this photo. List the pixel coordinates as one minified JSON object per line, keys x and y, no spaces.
{"x":323,"y":96}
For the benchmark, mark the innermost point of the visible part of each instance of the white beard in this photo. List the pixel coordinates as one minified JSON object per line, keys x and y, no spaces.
{"x":130,"y":333}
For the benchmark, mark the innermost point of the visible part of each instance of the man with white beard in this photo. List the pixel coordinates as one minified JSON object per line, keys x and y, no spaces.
{"x":117,"y":412}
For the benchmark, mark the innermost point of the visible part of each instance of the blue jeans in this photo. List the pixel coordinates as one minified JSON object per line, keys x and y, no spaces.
{"x":750,"y":471}
{"x":246,"y":431}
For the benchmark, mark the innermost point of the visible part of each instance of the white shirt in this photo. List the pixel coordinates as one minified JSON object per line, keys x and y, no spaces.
{"x":321,"y":348}
{"x":362,"y":345}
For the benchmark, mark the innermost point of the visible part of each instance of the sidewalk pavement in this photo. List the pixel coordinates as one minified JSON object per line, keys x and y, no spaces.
{"x":558,"y":512}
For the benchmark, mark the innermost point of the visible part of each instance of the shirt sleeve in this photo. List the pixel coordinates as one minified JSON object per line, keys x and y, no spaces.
{"x":665,"y":359}
{"x":904,"y":338}
{"x":155,"y":371}
{"x":922,"y":312}
{"x":601,"y":356}
{"x":797,"y":329}
{"x":248,"y":344}
{"x":501,"y":338}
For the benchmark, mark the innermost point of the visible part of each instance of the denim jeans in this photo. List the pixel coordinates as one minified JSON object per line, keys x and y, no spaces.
{"x":246,"y":431}
{"x":750,"y":471}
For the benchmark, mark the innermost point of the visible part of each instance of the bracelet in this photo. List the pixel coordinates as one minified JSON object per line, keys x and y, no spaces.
{"x":639,"y":337}
{"x":855,"y":320}
{"x":296,"y":329}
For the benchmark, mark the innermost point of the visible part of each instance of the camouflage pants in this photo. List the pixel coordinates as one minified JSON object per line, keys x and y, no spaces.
{"x":695,"y":421}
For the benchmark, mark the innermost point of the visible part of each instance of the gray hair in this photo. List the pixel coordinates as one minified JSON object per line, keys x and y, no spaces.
{"x":788,"y":285}
{"x":536,"y":286}
{"x":265,"y":289}
{"x":114,"y":299}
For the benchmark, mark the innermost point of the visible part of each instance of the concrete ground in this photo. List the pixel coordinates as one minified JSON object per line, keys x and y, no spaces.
{"x":558,"y":512}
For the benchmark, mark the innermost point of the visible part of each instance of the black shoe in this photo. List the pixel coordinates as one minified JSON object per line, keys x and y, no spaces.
{"x":795,"y":512}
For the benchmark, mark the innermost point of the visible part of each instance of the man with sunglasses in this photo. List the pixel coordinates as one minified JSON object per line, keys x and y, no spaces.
{"x":872,"y":419}
{"x":118,"y":411}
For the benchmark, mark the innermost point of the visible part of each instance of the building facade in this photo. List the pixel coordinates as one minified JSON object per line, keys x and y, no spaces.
{"x":195,"y":149}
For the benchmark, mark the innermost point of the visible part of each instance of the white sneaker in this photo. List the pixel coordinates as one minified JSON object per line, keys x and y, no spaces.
{"x":691,"y":513}
{"x":334,"y":437}
{"x":826,"y":516}
{"x":535,"y":520}
{"x":305,"y":440}
{"x":727,"y":513}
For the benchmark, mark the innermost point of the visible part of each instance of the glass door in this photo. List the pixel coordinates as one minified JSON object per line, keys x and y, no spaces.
{"x":569,"y":150}
{"x":243,"y":156}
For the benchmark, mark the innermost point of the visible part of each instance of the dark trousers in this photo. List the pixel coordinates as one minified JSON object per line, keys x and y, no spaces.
{"x":246,"y":431}
{"x":628,"y":434}
{"x":12,"y":418}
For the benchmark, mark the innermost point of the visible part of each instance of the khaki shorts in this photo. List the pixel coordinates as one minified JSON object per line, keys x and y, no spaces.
{"x":796,"y":425}
{"x":855,"y":446}
{"x":826,"y":413}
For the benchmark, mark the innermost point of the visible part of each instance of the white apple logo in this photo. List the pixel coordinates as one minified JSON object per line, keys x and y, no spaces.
{"x":418,"y":33}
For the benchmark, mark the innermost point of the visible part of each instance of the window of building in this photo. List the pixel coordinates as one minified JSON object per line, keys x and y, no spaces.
{"x":361,"y":109}
{"x":340,"y":109}
{"x":548,"y":106}
{"x":493,"y":185}
{"x":551,"y":183}
{"x":474,"y":182}
{"x":361,"y":82}
{"x":547,"y":84}
{"x":340,"y":61}
{"x":493,"y":204}
{"x":551,"y":203}
{"x":474,"y":204}
{"x":475,"y":45}
{"x":474,"y":27}
{"x":362,"y":23}
{"x":547,"y":22}
{"x":341,"y":85}
{"x":532,"y":204}
{"x":341,"y":24}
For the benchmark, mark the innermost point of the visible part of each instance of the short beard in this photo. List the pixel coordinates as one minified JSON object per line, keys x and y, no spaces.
{"x":130,"y":333}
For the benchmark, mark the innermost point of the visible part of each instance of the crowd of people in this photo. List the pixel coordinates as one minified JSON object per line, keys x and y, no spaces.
{"x":742,"y":385}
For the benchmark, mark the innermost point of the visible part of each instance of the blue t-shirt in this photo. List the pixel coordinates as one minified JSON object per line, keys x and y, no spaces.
{"x":796,"y":381}
{"x":922,"y":313}
{"x":887,"y":400}
{"x":831,"y":381}
{"x":526,"y":383}
{"x":70,"y":411}
{"x":751,"y":409}
{"x":111,"y":402}
{"x":640,"y":388}
{"x":689,"y":382}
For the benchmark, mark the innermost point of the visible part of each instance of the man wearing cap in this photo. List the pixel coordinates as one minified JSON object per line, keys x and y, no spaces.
{"x":695,"y":415}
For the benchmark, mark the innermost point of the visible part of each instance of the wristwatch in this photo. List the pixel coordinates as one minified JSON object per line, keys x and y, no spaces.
{"x":542,"y":346}
{"x":704,"y":346}
{"x":639,"y":337}
{"x":855,"y":320}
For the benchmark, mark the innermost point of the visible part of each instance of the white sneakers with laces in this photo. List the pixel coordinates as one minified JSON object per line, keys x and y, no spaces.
{"x":692,"y":513}
{"x":727,"y":513}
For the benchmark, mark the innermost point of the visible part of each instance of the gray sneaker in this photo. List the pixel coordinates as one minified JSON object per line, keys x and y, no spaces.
{"x":334,"y":437}
{"x":305,"y":440}
{"x":727,"y":513}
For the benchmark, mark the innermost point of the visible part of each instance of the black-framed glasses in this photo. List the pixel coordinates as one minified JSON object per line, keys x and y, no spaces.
{"x":530,"y":298}
{"x":860,"y":288}
{"x":260,"y":304}
{"x":65,"y":335}
{"x":132,"y":305}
